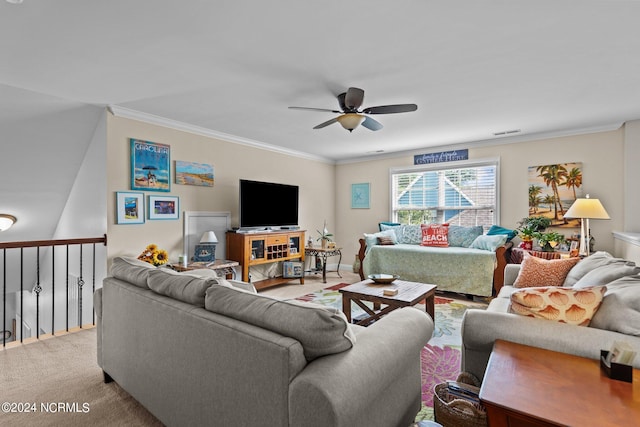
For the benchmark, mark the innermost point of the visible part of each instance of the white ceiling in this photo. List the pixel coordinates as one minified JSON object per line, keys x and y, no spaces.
{"x":234,"y":66}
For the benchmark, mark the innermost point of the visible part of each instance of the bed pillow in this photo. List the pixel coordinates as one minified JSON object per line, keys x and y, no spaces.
{"x":435,"y":235}
{"x":409,"y":234}
{"x":536,"y":271}
{"x":320,"y":329}
{"x":566,"y":305}
{"x":372,"y":239}
{"x":463,"y":237}
{"x":496,"y":229}
{"x":488,"y":243}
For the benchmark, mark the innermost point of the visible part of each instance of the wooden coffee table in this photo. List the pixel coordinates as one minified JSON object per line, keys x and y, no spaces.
{"x":409,"y":294}
{"x":529,"y":386}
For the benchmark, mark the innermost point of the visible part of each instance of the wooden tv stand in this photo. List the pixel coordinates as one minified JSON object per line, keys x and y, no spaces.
{"x":264,"y":248}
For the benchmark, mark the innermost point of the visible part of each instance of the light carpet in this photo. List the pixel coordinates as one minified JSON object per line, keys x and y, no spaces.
{"x":441,"y":357}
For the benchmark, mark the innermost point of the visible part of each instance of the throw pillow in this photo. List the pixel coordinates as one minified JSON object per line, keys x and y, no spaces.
{"x":567,"y":305}
{"x":607,"y":273}
{"x":597,"y":259}
{"x":383,"y":224}
{"x":411,"y":234}
{"x":496,"y":229}
{"x":182,"y":286}
{"x":435,"y":235}
{"x":620,"y":309}
{"x":489,"y":243}
{"x":321,"y":330}
{"x":131,"y":270}
{"x":536,"y":271}
{"x":386,"y":240}
{"x":463,"y":237}
{"x":372,"y":239}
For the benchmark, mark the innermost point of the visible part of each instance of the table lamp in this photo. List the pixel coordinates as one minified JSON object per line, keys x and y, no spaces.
{"x":586,"y":209}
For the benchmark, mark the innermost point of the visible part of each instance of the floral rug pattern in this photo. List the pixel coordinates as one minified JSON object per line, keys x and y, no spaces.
{"x":440,"y":357}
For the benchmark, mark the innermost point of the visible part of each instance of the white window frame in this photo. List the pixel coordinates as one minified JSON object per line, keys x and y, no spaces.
{"x":446,"y":166}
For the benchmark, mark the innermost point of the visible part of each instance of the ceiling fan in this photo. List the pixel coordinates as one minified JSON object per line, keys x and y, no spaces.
{"x":350,"y":115}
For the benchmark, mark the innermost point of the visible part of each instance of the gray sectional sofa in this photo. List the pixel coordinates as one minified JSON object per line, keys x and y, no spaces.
{"x":617,"y":319}
{"x":199,"y":351}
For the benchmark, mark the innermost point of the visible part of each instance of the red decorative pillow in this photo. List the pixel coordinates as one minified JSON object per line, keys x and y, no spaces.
{"x":536,"y":271}
{"x":435,"y":235}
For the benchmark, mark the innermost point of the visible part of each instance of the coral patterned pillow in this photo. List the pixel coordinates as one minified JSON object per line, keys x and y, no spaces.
{"x":435,"y":235}
{"x":536,"y":271}
{"x":566,"y":305}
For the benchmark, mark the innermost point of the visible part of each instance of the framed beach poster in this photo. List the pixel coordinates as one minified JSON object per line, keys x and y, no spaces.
{"x":192,"y":173}
{"x":150,"y":165}
{"x":129,"y":207}
{"x":552,"y":190}
{"x":164,"y":207}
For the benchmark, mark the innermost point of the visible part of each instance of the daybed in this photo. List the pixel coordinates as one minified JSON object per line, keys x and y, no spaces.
{"x":464,"y":266}
{"x":196,"y":351}
{"x":617,"y":318}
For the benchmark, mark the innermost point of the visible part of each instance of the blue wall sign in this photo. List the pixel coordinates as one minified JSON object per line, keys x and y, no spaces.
{"x":442,"y":156}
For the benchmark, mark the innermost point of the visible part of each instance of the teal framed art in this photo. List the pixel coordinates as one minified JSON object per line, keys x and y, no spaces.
{"x":360,"y":196}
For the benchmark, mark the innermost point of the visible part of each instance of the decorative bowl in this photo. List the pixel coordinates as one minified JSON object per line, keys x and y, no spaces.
{"x":383,"y":279}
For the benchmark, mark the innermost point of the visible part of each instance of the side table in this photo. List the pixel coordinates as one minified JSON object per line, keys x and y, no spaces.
{"x":222,"y":267}
{"x":323,"y":254}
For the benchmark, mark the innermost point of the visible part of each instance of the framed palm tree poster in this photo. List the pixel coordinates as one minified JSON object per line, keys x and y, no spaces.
{"x":552,"y":191}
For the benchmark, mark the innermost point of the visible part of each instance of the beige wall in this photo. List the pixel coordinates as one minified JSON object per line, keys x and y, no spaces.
{"x":231,"y":162}
{"x":600,"y":153}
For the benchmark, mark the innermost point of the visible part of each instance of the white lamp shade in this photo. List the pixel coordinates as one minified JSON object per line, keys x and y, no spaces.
{"x":587,"y":208}
{"x":350,"y":121}
{"x":6,"y":221}
{"x":209,"y":237}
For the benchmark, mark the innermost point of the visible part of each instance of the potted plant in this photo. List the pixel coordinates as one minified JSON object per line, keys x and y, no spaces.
{"x":526,"y":233}
{"x":325,"y":236}
{"x":548,"y":241}
{"x":537,"y":223}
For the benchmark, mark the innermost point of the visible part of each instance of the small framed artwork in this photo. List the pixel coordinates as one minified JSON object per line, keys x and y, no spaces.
{"x":191,"y":173}
{"x":204,"y":253}
{"x":292,"y":269}
{"x":150,"y":166}
{"x":164,"y":207}
{"x":129,"y":207}
{"x":360,"y":196}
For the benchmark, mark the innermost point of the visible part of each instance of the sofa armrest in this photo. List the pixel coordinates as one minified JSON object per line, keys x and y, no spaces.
{"x":511,"y":273}
{"x":97,"y":307}
{"x":481,"y":328}
{"x":377,"y":382}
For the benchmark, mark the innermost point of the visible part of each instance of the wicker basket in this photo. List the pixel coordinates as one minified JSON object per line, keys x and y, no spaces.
{"x":455,"y":412}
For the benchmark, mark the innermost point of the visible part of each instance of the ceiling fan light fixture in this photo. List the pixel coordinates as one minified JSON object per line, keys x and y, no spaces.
{"x":350,"y":121}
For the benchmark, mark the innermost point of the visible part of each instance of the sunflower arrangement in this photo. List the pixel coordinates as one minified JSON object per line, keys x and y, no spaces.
{"x":153,"y":255}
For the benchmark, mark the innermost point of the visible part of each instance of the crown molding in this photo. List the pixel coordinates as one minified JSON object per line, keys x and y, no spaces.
{"x":128,"y":113}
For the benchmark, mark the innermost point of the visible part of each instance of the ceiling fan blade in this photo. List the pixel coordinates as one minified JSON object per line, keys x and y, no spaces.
{"x":390,"y":109}
{"x":353,"y":99}
{"x":341,"y":101}
{"x":327,"y":123}
{"x":315,"y":109}
{"x":372,"y":124}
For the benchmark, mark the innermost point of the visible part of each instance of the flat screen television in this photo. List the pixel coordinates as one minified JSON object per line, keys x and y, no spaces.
{"x":267,"y":204}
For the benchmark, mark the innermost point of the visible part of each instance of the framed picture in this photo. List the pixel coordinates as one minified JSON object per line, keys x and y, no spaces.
{"x":164,"y":207}
{"x":150,"y":166}
{"x":204,"y":253}
{"x":292,"y":269}
{"x":191,"y":173}
{"x":360,"y":196}
{"x":129,"y":208}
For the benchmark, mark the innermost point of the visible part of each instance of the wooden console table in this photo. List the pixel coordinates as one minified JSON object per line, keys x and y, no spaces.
{"x":529,"y":386}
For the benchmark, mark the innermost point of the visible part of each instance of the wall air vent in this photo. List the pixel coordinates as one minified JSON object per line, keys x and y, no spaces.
{"x":507,"y":132}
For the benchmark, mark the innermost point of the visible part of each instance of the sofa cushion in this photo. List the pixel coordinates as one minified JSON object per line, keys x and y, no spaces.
{"x":620,"y":309}
{"x":567,"y":305}
{"x":607,"y":273}
{"x":435,"y":235}
{"x":463,"y":237}
{"x":536,"y":271}
{"x":496,"y":229}
{"x":372,"y":239}
{"x":321,"y":330}
{"x":185,"y":287}
{"x":131,"y":270}
{"x":489,"y":243}
{"x":587,"y":264}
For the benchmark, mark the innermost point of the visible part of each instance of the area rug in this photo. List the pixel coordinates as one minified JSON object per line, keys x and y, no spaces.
{"x":440,"y":357}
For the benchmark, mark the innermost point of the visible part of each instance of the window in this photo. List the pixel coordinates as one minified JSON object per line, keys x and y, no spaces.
{"x":459,"y":193}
